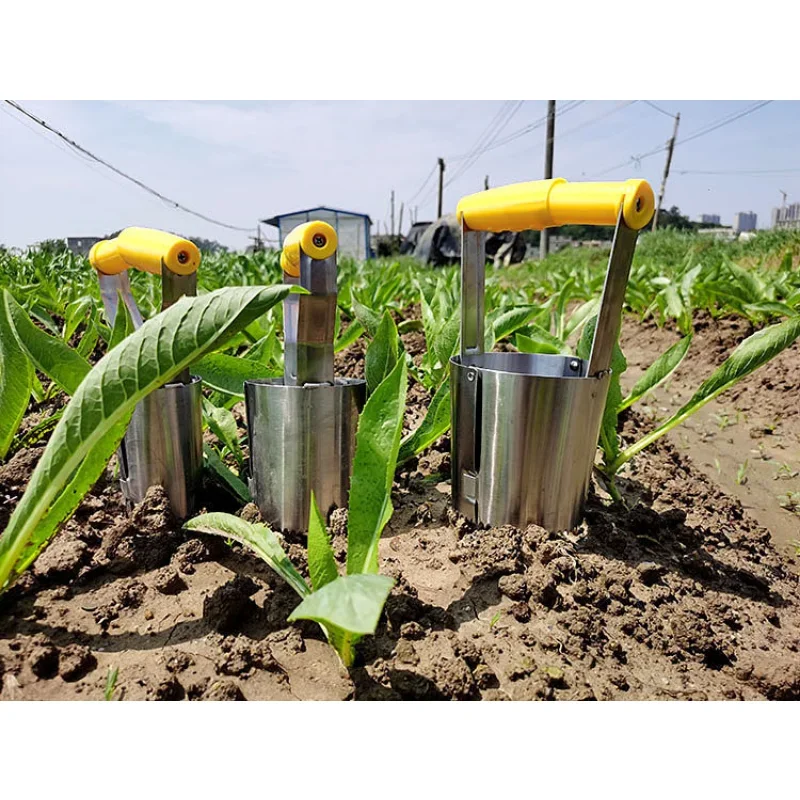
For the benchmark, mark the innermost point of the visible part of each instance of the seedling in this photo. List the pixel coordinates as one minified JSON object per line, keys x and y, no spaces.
{"x":347,"y":607}
{"x":741,"y":473}
{"x":494,"y":620}
{"x":111,"y":683}
{"x":785,"y":472}
{"x":790,"y":501}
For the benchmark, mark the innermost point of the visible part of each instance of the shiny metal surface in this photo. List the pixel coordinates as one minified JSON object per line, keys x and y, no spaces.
{"x":525,"y":427}
{"x":309,"y":323}
{"x":609,"y":317}
{"x":523,"y":444}
{"x":473,"y":275}
{"x":173,"y":287}
{"x":302,"y":439}
{"x":114,"y":287}
{"x":164,"y":446}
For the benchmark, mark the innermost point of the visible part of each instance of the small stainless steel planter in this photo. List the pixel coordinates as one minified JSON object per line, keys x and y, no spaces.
{"x":302,"y":427}
{"x":302,"y":439}
{"x":525,"y":427}
{"x":163,"y":446}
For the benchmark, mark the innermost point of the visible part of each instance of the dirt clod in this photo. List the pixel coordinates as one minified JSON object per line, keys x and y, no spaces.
{"x":75,"y":661}
{"x":230,"y":604}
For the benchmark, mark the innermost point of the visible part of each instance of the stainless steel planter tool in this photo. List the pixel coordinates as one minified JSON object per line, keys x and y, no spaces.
{"x":302,"y":426}
{"x":525,"y":427}
{"x":163,"y":444}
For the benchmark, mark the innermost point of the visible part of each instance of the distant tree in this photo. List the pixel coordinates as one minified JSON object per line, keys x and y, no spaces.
{"x":208,"y":245}
{"x":674,"y":219}
{"x":52,"y":247}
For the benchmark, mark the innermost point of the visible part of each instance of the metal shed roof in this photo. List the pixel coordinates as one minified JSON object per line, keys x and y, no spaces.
{"x":274,"y":221}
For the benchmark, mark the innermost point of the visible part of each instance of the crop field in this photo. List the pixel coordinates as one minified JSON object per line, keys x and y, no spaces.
{"x":681,"y":583}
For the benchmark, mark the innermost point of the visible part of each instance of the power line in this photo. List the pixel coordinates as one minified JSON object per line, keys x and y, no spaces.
{"x":424,"y":183}
{"x":786,"y":171}
{"x":702,"y":131}
{"x":75,"y":146}
{"x":493,"y":144}
{"x":657,"y":108}
{"x":467,"y":164}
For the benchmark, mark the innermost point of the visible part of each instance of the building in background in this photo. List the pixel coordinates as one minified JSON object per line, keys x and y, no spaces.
{"x":81,"y":245}
{"x":787,"y":217}
{"x":708,"y":219}
{"x":745,"y":221}
{"x":352,"y":229}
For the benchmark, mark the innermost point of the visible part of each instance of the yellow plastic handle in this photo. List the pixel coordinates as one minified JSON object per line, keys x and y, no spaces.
{"x":316,"y":239}
{"x":145,"y":249}
{"x":545,"y":204}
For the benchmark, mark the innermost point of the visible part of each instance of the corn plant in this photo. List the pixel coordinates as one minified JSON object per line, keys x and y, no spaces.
{"x":347,"y":607}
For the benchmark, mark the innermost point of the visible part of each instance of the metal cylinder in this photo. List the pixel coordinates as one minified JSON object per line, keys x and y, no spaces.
{"x":302,"y":439}
{"x":525,"y":430}
{"x":163,"y":446}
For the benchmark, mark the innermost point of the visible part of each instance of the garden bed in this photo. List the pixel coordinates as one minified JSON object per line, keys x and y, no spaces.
{"x":683,"y":594}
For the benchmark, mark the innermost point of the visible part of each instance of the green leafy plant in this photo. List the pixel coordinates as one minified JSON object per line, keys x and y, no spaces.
{"x":96,"y":418}
{"x":347,"y":607}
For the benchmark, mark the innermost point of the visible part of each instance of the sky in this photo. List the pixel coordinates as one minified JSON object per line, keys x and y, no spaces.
{"x":239,"y":162}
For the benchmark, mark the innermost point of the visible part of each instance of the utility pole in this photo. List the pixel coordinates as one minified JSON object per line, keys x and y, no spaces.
{"x":670,"y":148}
{"x":392,"y":231}
{"x":441,"y":188}
{"x":400,"y":224}
{"x":486,"y":182}
{"x":544,"y":241}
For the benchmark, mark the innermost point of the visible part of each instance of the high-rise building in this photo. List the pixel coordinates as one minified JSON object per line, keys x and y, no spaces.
{"x":709,"y":219}
{"x":786,"y":217}
{"x":745,"y":221}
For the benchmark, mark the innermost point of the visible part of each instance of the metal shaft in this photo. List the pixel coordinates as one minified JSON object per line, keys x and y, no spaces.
{"x":473,"y":268}
{"x":173,"y":287}
{"x":309,"y":322}
{"x":609,"y":318}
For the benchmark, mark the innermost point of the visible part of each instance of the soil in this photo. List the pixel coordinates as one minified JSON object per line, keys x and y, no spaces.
{"x":681,"y":593}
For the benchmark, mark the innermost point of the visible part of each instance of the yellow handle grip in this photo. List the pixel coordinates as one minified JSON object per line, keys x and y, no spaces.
{"x":316,"y":239}
{"x":545,"y":204}
{"x":145,"y":249}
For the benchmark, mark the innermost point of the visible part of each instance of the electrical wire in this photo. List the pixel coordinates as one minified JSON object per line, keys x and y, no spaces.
{"x":786,"y":171}
{"x":661,"y":110}
{"x":468,"y":163}
{"x":82,"y":150}
{"x":702,"y":131}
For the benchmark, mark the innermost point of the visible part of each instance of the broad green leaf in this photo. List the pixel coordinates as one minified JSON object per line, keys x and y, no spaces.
{"x":225,"y":476}
{"x":749,"y":282}
{"x":38,"y":312}
{"x":446,"y":340}
{"x":533,"y":335}
{"x":89,"y":340}
{"x":49,"y":354}
{"x":580,"y":315}
{"x":435,"y":424}
{"x":123,"y":325}
{"x":748,"y":356}
{"x":657,"y":372}
{"x":353,"y":603}
{"x":354,"y":330}
{"x":382,"y":353}
{"x":16,"y":381}
{"x":377,"y":444}
{"x":770,"y":310}
{"x":370,"y":320}
{"x":74,"y":314}
{"x":223,"y":425}
{"x":258,"y":537}
{"x":321,"y":563}
{"x":227,"y":374}
{"x":509,"y":322}
{"x":95,"y":419}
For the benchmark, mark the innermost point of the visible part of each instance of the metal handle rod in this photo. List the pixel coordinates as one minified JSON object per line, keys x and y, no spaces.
{"x":309,"y":322}
{"x":173,"y":287}
{"x":473,"y":276}
{"x":609,"y":318}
